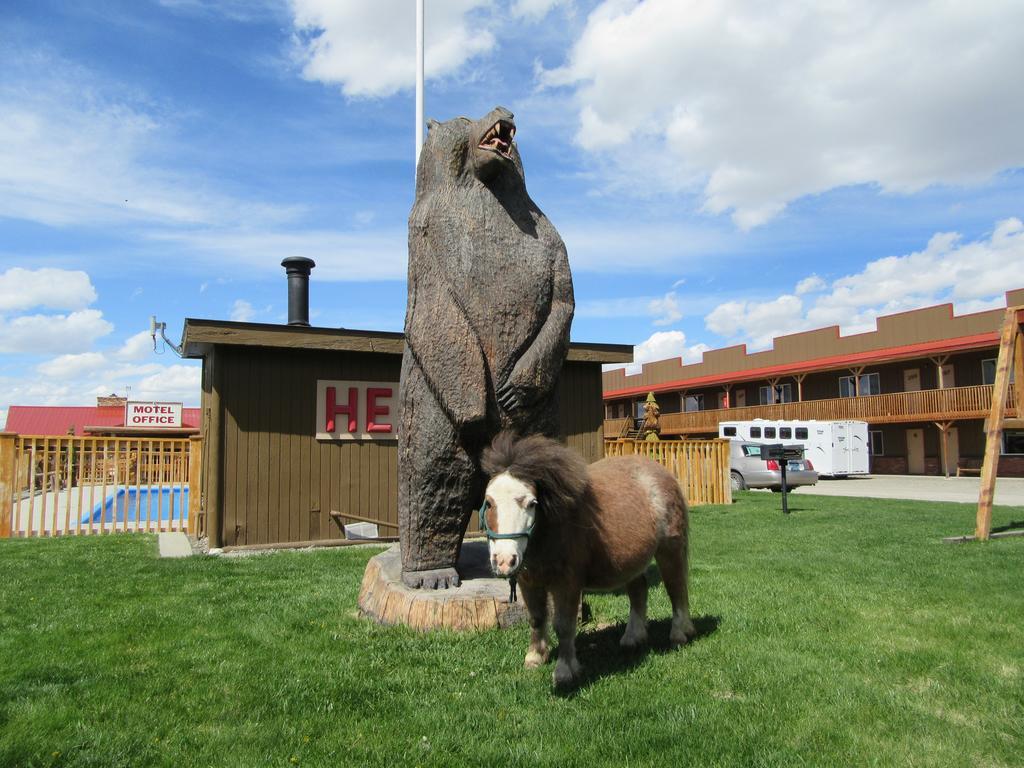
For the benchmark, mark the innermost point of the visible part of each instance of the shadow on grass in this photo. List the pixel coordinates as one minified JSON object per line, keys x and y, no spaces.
{"x":599,"y":653}
{"x":1011,"y":526}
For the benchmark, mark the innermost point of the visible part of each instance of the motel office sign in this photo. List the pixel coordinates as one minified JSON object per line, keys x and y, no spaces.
{"x":152,"y":415}
{"x":356,"y":410}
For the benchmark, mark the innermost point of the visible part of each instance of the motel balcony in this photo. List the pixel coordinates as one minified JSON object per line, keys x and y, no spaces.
{"x":936,"y":405}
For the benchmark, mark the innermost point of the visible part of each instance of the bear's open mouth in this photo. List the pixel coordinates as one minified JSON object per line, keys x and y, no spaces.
{"x":499,"y":138}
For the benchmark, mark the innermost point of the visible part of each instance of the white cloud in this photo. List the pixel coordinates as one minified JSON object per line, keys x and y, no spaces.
{"x":662,"y":345}
{"x":369,"y":48}
{"x":666,"y":309}
{"x":533,"y":10}
{"x":603,"y":246}
{"x":973,"y":275}
{"x":757,"y":105}
{"x":73,"y":366}
{"x":242,"y":311}
{"x":3,"y":418}
{"x":52,"y":334}
{"x":136,"y":347}
{"x":50,"y":288}
{"x":810,"y":284}
{"x":173,"y":382}
{"x":76,"y":374}
{"x":75,"y":151}
{"x":756,"y":321}
{"x":339,"y":256}
{"x":79,"y":379}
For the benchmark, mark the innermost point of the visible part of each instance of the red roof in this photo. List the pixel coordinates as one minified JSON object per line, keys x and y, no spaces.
{"x":979,"y":341}
{"x":57,"y":420}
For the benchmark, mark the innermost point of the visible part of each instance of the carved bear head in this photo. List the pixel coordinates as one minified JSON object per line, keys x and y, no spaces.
{"x":459,"y":150}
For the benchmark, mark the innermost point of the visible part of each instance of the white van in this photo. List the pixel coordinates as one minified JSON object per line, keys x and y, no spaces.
{"x":835,"y":448}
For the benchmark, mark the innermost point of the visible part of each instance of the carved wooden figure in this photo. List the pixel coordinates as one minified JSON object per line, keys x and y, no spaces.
{"x":487,"y":330}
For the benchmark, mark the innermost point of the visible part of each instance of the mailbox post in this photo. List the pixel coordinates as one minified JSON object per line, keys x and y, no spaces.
{"x":782,"y":454}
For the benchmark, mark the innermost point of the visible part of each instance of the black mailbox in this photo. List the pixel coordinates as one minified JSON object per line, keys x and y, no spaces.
{"x":781,"y":452}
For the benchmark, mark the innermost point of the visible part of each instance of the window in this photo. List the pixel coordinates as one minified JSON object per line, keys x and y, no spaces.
{"x":729,"y":431}
{"x":785,"y":433}
{"x":988,"y":371}
{"x":755,"y":431}
{"x":752,"y":450}
{"x":769,"y":432}
{"x":782,"y":393}
{"x":868,"y":385}
{"x":1013,"y":441}
{"x":875,"y":445}
{"x":694,"y":403}
{"x":801,"y":433}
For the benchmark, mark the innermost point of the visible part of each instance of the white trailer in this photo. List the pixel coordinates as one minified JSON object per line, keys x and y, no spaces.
{"x":835,"y":448}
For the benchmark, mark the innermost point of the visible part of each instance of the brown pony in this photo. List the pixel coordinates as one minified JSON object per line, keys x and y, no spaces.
{"x":559,"y":526}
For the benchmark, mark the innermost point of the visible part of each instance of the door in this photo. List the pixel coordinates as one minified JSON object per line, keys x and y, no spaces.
{"x":741,"y":398}
{"x":858,"y":455}
{"x":912,"y":380}
{"x":840,"y":448}
{"x":915,"y":451}
{"x":952,"y":450}
{"x":948,"y":379}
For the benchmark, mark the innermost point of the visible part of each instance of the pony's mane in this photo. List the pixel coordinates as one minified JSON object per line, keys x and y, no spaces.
{"x":558,"y":473}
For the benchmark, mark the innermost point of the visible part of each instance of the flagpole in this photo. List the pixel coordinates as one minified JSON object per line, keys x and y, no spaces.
{"x":419,"y":81}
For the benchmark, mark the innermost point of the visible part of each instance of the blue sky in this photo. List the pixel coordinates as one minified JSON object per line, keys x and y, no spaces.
{"x":721,"y":172}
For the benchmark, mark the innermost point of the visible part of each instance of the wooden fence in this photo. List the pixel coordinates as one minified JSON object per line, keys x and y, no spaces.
{"x":702,"y":466}
{"x":66,"y":485}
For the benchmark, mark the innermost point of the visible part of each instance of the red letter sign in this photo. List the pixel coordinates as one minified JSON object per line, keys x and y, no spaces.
{"x":351,"y":410}
{"x":372,"y":409}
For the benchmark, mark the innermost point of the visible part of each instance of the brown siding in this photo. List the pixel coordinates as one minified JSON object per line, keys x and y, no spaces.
{"x":280,"y":484}
{"x":580,"y":409}
{"x":907,"y":328}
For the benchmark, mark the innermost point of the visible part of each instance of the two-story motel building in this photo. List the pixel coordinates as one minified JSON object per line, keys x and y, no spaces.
{"x":922,"y":380}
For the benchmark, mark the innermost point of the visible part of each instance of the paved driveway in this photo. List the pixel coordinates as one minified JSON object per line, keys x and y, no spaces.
{"x":1009,"y":490}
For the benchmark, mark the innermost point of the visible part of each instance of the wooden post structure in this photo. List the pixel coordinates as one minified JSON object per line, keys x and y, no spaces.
{"x":1018,"y":375}
{"x":800,"y":386}
{"x":856,"y":380}
{"x":7,"y":481}
{"x":213,"y":426}
{"x":195,"y":483}
{"x":944,"y":444}
{"x":1008,"y":346}
{"x":939,"y":363}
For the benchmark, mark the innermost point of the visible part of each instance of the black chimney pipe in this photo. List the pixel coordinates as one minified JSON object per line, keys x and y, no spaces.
{"x":298,"y":269}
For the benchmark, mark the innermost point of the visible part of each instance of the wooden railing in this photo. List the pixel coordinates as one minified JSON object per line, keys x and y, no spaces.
{"x":927,"y":405}
{"x":65,"y":485}
{"x":615,"y":429}
{"x":701,"y":466}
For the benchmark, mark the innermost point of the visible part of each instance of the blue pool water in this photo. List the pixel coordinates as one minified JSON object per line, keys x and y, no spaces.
{"x":162,"y":502}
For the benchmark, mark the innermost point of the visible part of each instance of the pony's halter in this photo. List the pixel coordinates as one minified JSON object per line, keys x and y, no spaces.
{"x":495,"y":535}
{"x":491,"y":535}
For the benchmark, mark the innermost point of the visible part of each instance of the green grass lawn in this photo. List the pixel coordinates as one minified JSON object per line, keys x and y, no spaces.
{"x":845,"y":634}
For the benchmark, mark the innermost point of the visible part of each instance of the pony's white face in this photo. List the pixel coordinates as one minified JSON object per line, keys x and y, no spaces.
{"x":510,"y":508}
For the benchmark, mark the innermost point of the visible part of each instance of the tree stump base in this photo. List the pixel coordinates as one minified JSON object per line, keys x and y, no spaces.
{"x":480,"y":602}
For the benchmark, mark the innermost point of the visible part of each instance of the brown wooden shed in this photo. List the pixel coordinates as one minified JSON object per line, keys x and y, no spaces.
{"x":268,"y":479}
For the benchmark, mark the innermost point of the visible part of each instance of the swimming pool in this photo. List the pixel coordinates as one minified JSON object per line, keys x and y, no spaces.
{"x":129,"y":504}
